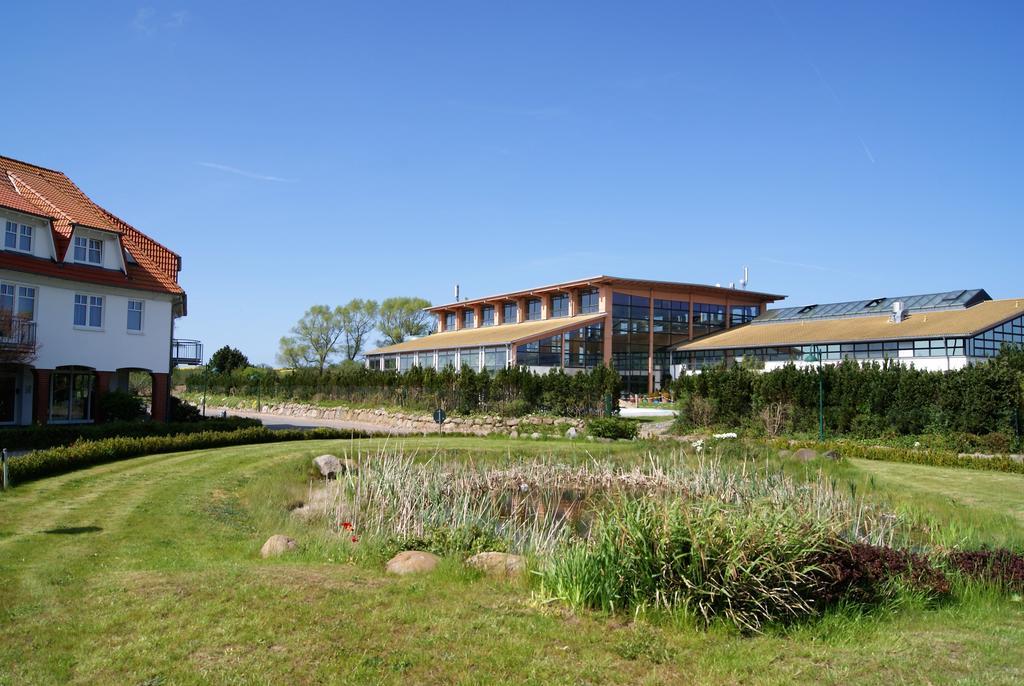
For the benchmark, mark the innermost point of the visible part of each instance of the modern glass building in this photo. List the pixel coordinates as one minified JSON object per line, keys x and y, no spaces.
{"x":632,"y":325}
{"x":938,"y":331}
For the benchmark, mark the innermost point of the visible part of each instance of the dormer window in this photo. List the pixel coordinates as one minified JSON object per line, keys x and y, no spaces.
{"x":18,"y":237}
{"x":88,"y":250}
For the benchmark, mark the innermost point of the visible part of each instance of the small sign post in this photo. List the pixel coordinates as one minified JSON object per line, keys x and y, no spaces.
{"x":439,"y":417}
{"x":3,"y":458}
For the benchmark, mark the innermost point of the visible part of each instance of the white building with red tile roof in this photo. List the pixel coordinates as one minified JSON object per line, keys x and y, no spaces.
{"x":85,"y":299}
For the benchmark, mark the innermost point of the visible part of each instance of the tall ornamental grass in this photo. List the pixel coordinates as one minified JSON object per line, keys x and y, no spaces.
{"x":749,"y":565}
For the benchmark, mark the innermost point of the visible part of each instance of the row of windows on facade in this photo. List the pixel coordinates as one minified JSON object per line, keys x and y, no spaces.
{"x":587,"y":303}
{"x":88,"y":311}
{"x":491,"y":359}
{"x":583,"y":349}
{"x":19,"y":237}
{"x":986,"y":344}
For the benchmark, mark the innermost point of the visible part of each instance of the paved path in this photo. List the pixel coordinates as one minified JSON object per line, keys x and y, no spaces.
{"x":277,"y":422}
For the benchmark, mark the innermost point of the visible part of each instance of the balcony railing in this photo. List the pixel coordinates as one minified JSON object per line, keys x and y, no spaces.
{"x":17,"y":332}
{"x":186,"y":352}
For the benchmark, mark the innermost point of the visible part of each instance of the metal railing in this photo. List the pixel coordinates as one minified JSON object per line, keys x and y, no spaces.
{"x":16,"y":332}
{"x":186,"y":352}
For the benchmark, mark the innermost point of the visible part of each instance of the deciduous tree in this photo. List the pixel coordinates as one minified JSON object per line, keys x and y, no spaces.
{"x":401,"y":318}
{"x":358,"y":319}
{"x":314,"y":340}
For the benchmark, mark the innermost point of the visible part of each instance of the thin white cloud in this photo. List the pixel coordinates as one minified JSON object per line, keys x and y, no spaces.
{"x":177,"y":20}
{"x":146,"y":21}
{"x":142,"y":21}
{"x":812,"y":267}
{"x":247,"y":174}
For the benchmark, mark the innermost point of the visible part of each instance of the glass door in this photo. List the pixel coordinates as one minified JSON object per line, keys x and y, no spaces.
{"x":8,"y":398}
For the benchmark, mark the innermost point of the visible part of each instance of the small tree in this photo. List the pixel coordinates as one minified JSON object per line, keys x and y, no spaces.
{"x":227,"y":360}
{"x":314,"y":339}
{"x":402,"y":318}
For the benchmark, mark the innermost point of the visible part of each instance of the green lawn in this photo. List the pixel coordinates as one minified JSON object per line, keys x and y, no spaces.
{"x":146,"y":572}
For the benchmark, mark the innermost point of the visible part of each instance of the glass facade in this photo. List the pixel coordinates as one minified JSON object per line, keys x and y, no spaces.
{"x":425,"y":360}
{"x":487,"y":315}
{"x":560,"y":305}
{"x":406,"y":362}
{"x":631,"y":340}
{"x":467,"y":319}
{"x":987,"y":344}
{"x":449,"y":321}
{"x":533,"y":309}
{"x":833,"y":352}
{"x":707,"y":319}
{"x":470,"y":357}
{"x":445,"y":358}
{"x":584,"y":347}
{"x":589,"y":300}
{"x":743,"y":314}
{"x":509,"y":313}
{"x":546,"y":352}
{"x":495,"y":359}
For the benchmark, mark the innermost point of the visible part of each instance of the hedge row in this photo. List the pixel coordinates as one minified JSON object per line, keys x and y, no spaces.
{"x":867,"y":400}
{"x":510,"y":391}
{"x":54,"y":435}
{"x":89,"y":453}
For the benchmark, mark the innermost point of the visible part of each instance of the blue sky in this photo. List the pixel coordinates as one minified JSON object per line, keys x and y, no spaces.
{"x":301,"y":153}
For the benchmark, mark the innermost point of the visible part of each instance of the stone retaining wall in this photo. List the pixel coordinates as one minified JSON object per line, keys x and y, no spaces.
{"x":482,"y":425}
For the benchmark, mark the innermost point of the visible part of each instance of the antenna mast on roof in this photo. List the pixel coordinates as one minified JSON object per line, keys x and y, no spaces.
{"x":746,"y":278}
{"x":456,"y":292}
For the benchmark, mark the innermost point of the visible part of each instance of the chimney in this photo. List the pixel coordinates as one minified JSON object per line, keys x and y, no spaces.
{"x":898,"y":313}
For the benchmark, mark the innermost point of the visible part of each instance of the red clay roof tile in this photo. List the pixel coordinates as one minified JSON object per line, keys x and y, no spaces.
{"x":47,"y":193}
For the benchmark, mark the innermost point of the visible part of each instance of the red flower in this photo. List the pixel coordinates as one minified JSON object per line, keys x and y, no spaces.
{"x":347,"y":526}
{"x":355,"y":539}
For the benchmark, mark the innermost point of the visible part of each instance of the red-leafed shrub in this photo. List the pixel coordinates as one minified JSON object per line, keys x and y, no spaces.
{"x":1001,"y":567}
{"x":865,"y":574}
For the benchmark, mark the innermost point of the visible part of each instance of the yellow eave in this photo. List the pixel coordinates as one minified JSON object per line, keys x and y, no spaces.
{"x":944,"y":323}
{"x":504,"y":334}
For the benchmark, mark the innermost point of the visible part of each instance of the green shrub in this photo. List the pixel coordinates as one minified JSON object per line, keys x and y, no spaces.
{"x":53,"y":435}
{"x":462,"y":541}
{"x":184,"y":411}
{"x":613,"y":427}
{"x":516,"y":390}
{"x":89,"y":453}
{"x":120,"y":406}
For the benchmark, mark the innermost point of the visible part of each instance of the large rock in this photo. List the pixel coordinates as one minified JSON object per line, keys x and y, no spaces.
{"x":277,"y":544}
{"x":498,"y":564}
{"x":330,"y":466}
{"x":571,"y":432}
{"x":412,"y":562}
{"x":805,"y":454}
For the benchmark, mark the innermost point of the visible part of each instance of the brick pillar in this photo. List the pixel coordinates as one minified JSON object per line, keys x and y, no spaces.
{"x":160,"y":391}
{"x":41,"y":395}
{"x":103,"y":380}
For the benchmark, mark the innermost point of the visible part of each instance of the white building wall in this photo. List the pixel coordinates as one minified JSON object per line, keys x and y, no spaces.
{"x":61,"y":343}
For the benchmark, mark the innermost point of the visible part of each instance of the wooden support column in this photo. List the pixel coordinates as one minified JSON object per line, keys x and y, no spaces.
{"x":41,"y":395}
{"x":102,"y":388}
{"x":161,"y":390}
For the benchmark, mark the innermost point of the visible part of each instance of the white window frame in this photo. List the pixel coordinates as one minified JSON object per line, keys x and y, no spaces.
{"x":142,"y":316}
{"x":90,"y":302}
{"x":19,"y":232}
{"x":88,"y":246}
{"x":16,"y":296}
